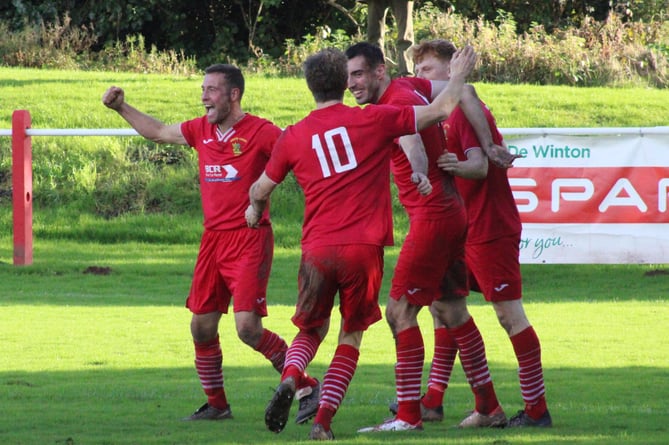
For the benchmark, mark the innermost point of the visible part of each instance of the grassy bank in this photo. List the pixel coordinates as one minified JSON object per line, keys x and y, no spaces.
{"x":82,"y":184}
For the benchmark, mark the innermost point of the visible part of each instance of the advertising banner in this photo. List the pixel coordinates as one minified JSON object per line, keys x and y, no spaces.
{"x":598,"y":199}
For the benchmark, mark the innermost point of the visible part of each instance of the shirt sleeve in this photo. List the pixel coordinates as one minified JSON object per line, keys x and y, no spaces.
{"x":188,"y":131}
{"x":278,"y":166}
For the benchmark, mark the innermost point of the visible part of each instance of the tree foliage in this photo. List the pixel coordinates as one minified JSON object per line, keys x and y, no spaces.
{"x":237,"y":30}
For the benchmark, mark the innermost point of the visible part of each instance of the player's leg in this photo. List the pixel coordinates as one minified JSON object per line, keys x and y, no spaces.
{"x":209,"y":367}
{"x":245,"y":264}
{"x":359,"y":270}
{"x":443,"y":359}
{"x":497,"y":270}
{"x":246,"y":269}
{"x":401,"y":315}
{"x":337,"y":379}
{"x":421,"y":265}
{"x":462,"y":328}
{"x":454,"y":285}
{"x":207,"y":300}
{"x":316,"y":291}
{"x":527,"y":348}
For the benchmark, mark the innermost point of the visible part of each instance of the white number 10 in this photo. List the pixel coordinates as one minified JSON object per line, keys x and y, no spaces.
{"x":339,"y":166}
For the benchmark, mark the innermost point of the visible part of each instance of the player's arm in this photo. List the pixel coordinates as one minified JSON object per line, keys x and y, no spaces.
{"x":259,"y":194}
{"x":471,"y":106}
{"x":413,"y":148}
{"x":475,"y":167}
{"x":147,"y":126}
{"x":462,"y":63}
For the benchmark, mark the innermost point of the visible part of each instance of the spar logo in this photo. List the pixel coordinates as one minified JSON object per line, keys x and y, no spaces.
{"x":591,"y":194}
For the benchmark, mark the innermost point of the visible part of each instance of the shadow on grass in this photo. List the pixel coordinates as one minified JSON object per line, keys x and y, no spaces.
{"x":144,"y":406}
{"x":138,"y":274}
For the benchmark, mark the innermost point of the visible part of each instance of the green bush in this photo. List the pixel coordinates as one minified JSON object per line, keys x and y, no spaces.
{"x":47,"y":45}
{"x":59,"y":45}
{"x":609,"y":53}
{"x":616,"y":51}
{"x":148,"y":178}
{"x":132,"y":56}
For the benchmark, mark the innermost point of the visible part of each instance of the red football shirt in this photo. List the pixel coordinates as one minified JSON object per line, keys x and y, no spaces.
{"x":491,"y":208}
{"x":340,"y":157}
{"x":415,"y":91}
{"x":229,"y":163}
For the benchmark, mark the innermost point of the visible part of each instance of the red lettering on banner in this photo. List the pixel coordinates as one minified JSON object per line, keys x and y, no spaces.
{"x":591,"y":194}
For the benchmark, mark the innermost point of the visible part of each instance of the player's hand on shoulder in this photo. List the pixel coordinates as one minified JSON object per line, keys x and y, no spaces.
{"x":501,"y":156}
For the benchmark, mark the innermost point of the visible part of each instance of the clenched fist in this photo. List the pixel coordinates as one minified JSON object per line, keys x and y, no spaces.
{"x":113,"y":98}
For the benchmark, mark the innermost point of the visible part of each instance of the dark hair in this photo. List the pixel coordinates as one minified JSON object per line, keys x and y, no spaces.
{"x":440,"y":48}
{"x":233,"y":75}
{"x":326,"y":74}
{"x":372,"y":53}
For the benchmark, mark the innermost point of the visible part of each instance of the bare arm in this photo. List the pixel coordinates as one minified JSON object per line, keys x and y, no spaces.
{"x":461,"y":65}
{"x":146,"y":125}
{"x":475,"y":167}
{"x":413,"y":148}
{"x":471,"y":106}
{"x":259,"y":194}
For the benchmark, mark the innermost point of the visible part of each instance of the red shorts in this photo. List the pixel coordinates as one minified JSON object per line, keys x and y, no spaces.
{"x":430,"y":249}
{"x":355,"y":271}
{"x":495,"y":267}
{"x":232,"y":263}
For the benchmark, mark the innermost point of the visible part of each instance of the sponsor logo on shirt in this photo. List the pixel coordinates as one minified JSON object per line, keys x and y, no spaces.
{"x":220,"y":173}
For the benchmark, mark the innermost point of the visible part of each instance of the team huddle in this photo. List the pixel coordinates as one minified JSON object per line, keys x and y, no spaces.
{"x":449,"y":163}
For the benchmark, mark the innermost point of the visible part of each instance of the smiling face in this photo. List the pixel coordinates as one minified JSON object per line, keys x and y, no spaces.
{"x":364,"y":82}
{"x":431,"y":67}
{"x":217,"y":97}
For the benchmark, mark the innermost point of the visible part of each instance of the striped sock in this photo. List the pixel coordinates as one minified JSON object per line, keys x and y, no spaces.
{"x":530,"y":371}
{"x":335,"y":383}
{"x":300,"y":353}
{"x":475,"y":365}
{"x":209,"y":366}
{"x":273,"y":347}
{"x":445,"y":352}
{"x":409,"y":373}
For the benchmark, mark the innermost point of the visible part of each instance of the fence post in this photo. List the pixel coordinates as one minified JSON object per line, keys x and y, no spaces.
{"x":22,"y":188}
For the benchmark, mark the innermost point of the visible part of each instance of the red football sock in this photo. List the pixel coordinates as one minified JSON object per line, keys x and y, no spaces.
{"x":335,"y":383}
{"x":273,"y":348}
{"x":209,"y":366}
{"x":474,"y":362}
{"x":445,"y":352}
{"x":300,"y":353}
{"x":530,"y":371}
{"x":410,"y":352}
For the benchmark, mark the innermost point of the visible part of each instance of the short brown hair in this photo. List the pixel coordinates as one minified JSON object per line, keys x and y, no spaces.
{"x":326,"y":74}
{"x":442,"y":49}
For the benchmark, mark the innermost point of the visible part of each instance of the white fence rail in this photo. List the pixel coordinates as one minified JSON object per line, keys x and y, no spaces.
{"x":575,"y":131}
{"x":585,"y":195}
